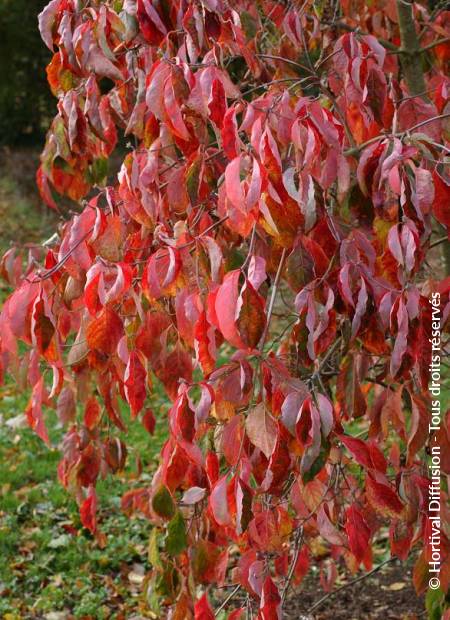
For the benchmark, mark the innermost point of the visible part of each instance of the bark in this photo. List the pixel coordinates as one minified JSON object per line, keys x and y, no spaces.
{"x":410,"y":49}
{"x":411,"y":59}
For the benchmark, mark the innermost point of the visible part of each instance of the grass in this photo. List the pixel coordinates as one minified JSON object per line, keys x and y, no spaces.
{"x":49,"y":566}
{"x":21,"y":219}
{"x":48,"y":563}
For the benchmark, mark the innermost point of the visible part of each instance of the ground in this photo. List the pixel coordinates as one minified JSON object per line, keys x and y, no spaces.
{"x":386,"y":595}
{"x":52,"y":570}
{"x":48,"y":563}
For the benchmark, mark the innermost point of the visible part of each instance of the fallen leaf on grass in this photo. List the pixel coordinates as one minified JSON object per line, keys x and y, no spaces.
{"x":18,"y":421}
{"x":137,"y":575}
{"x":59,"y":541}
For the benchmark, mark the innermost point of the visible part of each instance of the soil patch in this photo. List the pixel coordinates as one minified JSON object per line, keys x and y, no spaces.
{"x":387,"y":594}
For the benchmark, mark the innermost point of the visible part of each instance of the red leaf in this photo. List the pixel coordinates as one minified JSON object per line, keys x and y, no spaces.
{"x":150,"y":22}
{"x":328,"y":575}
{"x":205,"y":344}
{"x":149,"y":337}
{"x":383,"y":498}
{"x":400,"y":320}
{"x":182,"y":419}
{"x":261,"y":429}
{"x":173,"y":111}
{"x":217,"y":104}
{"x":232,"y":438}
{"x":252,"y":319}
{"x":161,"y":272}
{"x":46,"y":19}
{"x":88,"y":466}
{"x":225,"y":308}
{"x":177,"y":366}
{"x":203,"y":610}
{"x":302,"y":565}
{"x":349,"y":391}
{"x":44,"y":187}
{"x":233,"y":184}
{"x":149,"y":421}
{"x":269,"y":529}
{"x":441,"y":199}
{"x":104,"y":332}
{"x":230,"y":138}
{"x":400,"y":537}
{"x":99,"y":64}
{"x":421,"y":574}
{"x":326,"y":528}
{"x":419,"y":427}
{"x":135,"y":383}
{"x":218,"y":502}
{"x":414,"y":110}
{"x":43,"y":330}
{"x":308,"y":433}
{"x":243,"y":498}
{"x":92,"y":413}
{"x":66,"y":406}
{"x":34,"y":411}
{"x":366,"y":454}
{"x":358,"y":532}
{"x":212,"y":468}
{"x":88,"y":511}
{"x":279,"y":463}
{"x":270,"y":608}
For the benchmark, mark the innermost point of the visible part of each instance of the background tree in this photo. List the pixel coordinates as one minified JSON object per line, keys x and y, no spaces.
{"x":26,"y":103}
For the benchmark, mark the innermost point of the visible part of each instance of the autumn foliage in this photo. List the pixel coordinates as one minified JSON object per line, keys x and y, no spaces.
{"x":262,"y":255}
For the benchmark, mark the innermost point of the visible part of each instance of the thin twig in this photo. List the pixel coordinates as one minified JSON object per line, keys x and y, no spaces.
{"x":272,"y":298}
{"x":286,"y":60}
{"x":399,"y":134}
{"x":349,"y":584}
{"x":438,"y":242}
{"x":297,"y":546}
{"x":228,"y":599}
{"x":434,"y":44}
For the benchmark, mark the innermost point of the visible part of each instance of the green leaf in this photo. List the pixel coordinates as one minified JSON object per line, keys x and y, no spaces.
{"x":98,"y":171}
{"x":153,"y":550}
{"x":167,"y":583}
{"x":163,"y":504}
{"x":434,"y":600}
{"x":248,"y":24}
{"x":176,"y":540}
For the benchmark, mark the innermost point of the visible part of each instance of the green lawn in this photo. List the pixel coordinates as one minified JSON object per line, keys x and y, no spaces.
{"x":48,"y":563}
{"x":50,"y":567}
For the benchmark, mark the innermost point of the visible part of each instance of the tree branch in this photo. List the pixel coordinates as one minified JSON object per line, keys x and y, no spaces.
{"x":435,"y":44}
{"x":348,"y":585}
{"x":410,"y":57}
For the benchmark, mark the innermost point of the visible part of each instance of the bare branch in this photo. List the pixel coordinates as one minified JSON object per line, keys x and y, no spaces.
{"x":322,"y":600}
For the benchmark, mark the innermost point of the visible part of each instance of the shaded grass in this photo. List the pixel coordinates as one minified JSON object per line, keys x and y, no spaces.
{"x":24,"y":219}
{"x":48,"y":562}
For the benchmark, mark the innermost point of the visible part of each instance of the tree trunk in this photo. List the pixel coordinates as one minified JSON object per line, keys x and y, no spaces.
{"x":411,"y":60}
{"x":410,"y":50}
